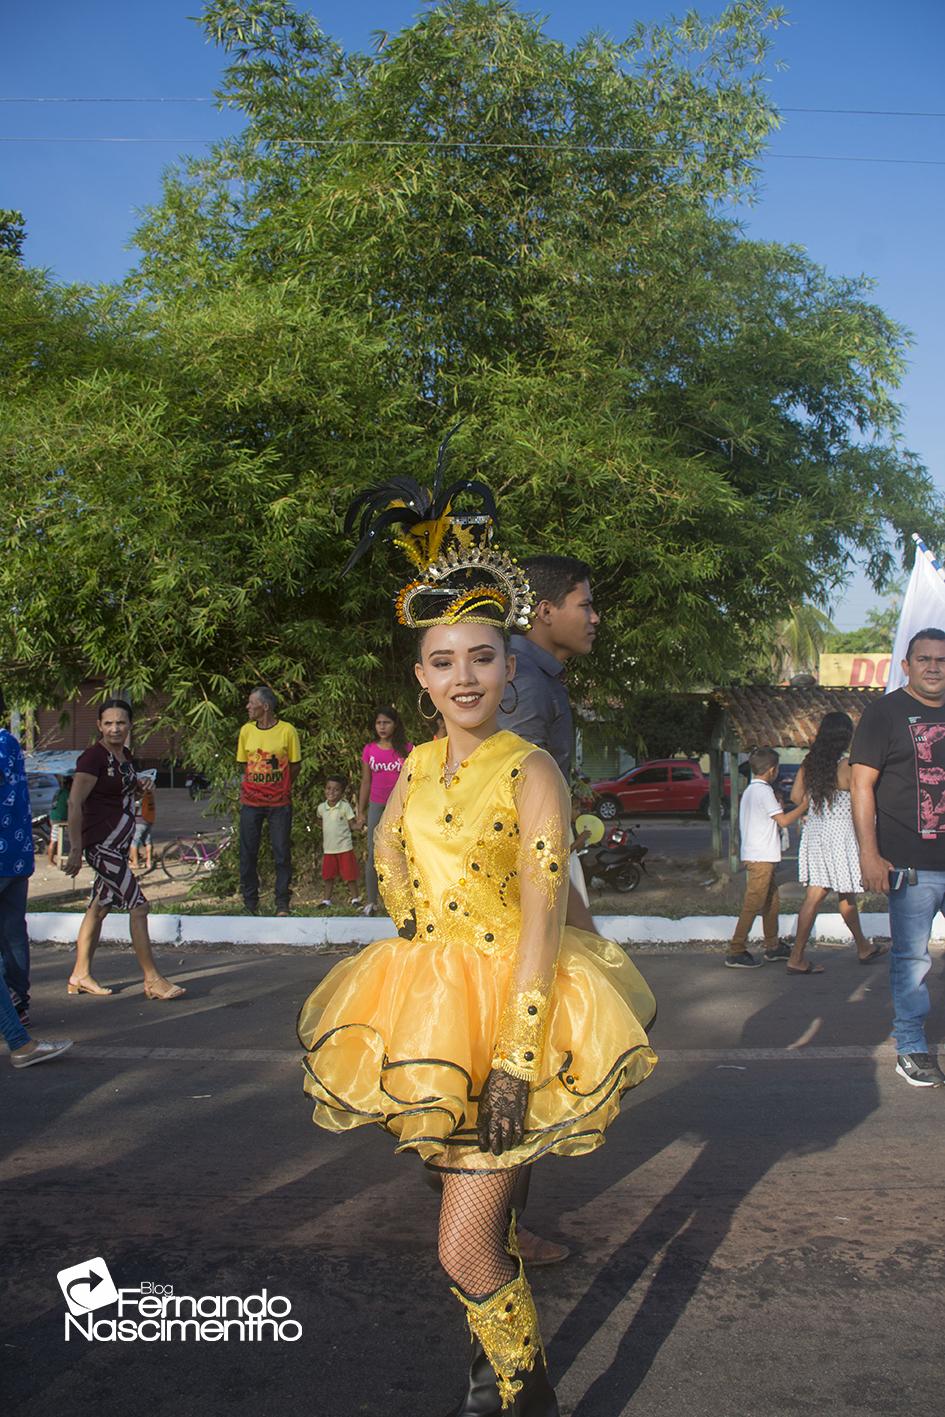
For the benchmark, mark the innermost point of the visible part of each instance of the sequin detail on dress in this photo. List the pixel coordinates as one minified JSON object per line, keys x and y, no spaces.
{"x":522,"y":1032}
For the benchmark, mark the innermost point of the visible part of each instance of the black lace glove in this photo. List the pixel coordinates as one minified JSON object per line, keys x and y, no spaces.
{"x":502,"y":1109}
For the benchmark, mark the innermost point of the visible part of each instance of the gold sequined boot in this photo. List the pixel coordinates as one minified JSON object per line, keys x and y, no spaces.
{"x":506,"y":1325}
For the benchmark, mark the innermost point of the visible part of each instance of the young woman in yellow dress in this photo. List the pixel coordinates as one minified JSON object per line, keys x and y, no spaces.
{"x":488,"y":1032}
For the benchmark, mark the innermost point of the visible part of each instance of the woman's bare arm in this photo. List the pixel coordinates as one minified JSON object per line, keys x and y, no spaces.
{"x":82,"y":784}
{"x":364,"y":794}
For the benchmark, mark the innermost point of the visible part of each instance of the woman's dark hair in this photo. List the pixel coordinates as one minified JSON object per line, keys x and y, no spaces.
{"x":498,"y":626}
{"x":399,"y":736}
{"x":820,"y":765}
{"x":115,"y":703}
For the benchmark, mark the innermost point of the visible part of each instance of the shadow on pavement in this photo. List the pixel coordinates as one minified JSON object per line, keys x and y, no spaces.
{"x":689,"y":1224}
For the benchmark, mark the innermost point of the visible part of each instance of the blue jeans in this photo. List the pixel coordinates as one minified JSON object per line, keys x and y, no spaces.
{"x":911,"y":912}
{"x":14,"y":940}
{"x":280,"y":842}
{"x":14,"y":1034}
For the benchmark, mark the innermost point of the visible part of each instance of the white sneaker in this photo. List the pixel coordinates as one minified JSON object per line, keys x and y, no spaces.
{"x":369,"y":910}
{"x":324,"y":905}
{"x":44,"y":1052}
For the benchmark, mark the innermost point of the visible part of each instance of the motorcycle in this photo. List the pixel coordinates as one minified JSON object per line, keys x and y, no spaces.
{"x":615,"y":859}
{"x":42,"y":831}
{"x":197,"y":785}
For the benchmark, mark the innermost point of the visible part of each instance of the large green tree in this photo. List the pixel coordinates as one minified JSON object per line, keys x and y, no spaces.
{"x":474,"y":222}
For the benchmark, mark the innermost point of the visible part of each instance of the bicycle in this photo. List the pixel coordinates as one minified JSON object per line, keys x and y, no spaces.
{"x":186,"y":856}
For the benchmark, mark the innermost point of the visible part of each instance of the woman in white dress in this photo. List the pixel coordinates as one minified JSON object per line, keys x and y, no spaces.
{"x":828,"y":859}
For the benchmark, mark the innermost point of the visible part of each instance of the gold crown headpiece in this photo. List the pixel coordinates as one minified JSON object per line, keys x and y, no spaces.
{"x":462,"y":576}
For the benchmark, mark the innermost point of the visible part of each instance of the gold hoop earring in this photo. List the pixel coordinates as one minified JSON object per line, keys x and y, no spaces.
{"x":502,"y":708}
{"x":428,"y":717}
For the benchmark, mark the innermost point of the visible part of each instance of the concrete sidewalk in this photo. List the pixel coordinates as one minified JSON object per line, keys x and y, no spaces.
{"x":758,"y":1236}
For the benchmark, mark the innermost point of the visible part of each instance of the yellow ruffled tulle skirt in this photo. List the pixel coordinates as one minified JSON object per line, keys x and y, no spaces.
{"x":401,"y":1036}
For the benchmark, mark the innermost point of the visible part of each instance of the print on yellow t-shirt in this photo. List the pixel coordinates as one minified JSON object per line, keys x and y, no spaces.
{"x":267,"y":754}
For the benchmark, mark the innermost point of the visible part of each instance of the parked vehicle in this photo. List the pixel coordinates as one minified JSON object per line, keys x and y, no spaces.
{"x":615,"y":861}
{"x":664,"y":785}
{"x":42,"y":831}
{"x":43,"y":788}
{"x":784,"y":785}
{"x":197,"y":785}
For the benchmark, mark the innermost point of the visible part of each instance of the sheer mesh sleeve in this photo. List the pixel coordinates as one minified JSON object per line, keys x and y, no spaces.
{"x":543,"y":817}
{"x":390,"y":856}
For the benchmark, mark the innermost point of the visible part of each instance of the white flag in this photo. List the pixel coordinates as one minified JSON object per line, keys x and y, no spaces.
{"x":922,"y":608}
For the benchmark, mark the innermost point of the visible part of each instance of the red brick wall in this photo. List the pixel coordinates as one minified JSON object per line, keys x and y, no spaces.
{"x":73,"y":726}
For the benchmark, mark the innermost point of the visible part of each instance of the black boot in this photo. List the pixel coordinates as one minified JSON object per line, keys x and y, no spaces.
{"x":482,"y":1395}
{"x":536,"y":1399}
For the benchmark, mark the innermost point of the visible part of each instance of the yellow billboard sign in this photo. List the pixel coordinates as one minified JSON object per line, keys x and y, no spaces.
{"x":854,"y":671}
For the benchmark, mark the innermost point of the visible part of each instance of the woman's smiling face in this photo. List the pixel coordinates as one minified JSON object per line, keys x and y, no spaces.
{"x":465,"y":670}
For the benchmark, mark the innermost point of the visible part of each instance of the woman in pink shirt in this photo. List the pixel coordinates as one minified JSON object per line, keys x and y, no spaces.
{"x":381,"y":763}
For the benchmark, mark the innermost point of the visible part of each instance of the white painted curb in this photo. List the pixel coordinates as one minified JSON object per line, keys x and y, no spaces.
{"x":62,"y":928}
{"x":322,"y":931}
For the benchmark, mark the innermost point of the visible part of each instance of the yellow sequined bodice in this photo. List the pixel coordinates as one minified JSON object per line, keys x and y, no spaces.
{"x":483,"y":863}
{"x":451,"y":856}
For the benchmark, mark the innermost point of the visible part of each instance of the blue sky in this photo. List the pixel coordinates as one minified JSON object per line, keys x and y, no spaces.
{"x":883,"y":218}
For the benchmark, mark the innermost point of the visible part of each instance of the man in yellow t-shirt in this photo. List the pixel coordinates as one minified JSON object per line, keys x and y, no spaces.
{"x":268,"y":748}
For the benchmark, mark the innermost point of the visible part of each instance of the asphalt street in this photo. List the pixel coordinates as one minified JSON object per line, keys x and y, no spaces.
{"x":762,"y":1233}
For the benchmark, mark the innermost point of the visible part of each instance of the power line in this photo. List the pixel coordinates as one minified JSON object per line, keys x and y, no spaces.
{"x":183,"y":98}
{"x":590,"y":148}
{"x":869,"y":112}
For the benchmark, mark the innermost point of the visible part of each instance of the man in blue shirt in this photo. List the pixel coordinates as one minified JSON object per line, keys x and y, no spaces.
{"x":16,"y":867}
{"x":564,"y":624}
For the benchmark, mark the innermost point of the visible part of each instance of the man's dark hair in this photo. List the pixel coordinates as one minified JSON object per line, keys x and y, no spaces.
{"x":338,"y":777}
{"x":761,"y":759}
{"x":932,"y":633}
{"x":265,"y":696}
{"x":554,"y":577}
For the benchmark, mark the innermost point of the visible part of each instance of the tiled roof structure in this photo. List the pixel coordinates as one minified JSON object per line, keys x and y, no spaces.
{"x":759,"y":716}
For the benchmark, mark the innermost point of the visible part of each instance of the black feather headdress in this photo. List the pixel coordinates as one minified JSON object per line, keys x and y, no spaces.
{"x":462,"y":576}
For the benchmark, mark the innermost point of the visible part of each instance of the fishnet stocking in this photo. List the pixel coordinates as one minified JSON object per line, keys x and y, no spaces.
{"x":474,"y":1227}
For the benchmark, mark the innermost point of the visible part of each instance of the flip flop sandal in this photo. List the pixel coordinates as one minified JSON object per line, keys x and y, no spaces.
{"x":808,"y":969}
{"x":873,"y":955}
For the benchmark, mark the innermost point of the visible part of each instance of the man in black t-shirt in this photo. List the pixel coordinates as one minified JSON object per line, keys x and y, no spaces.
{"x":898,"y":787}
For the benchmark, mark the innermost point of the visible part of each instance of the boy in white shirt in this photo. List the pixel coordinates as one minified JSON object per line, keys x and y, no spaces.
{"x":760,"y":819}
{"x":338,"y":859}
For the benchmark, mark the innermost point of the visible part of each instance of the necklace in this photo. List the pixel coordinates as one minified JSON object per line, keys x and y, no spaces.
{"x":449,"y":771}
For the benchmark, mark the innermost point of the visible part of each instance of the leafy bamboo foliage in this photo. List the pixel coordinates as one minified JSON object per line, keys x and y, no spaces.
{"x":474,"y":221}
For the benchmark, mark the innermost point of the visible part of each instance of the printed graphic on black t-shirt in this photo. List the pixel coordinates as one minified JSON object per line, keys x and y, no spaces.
{"x":904,"y":740}
{"x":929,"y":740}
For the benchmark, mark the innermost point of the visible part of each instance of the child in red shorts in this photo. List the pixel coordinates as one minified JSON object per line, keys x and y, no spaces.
{"x":336,"y":815}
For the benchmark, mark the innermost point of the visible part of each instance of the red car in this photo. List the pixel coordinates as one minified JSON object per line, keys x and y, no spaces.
{"x":663,"y":785}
